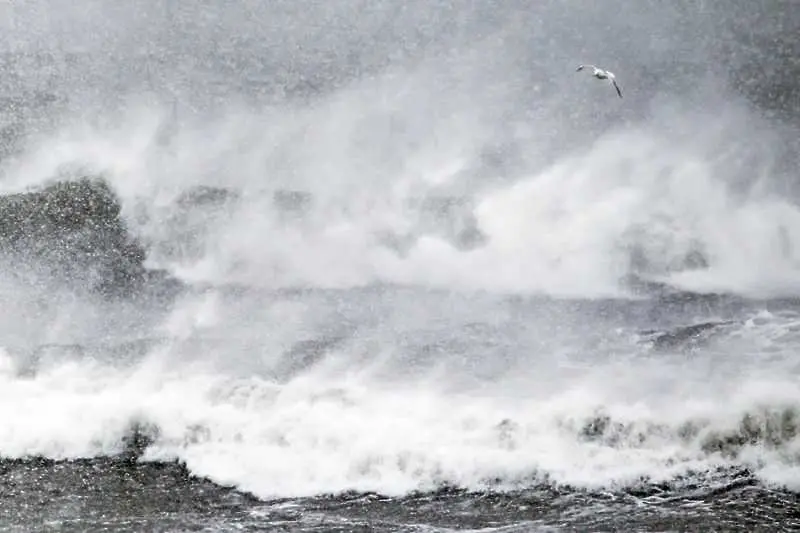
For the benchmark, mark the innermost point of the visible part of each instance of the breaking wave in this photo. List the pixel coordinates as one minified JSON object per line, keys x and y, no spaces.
{"x":327,"y":272}
{"x":370,"y":412}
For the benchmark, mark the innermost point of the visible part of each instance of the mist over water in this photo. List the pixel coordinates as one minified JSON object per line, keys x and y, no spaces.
{"x":402,"y":187}
{"x":372,"y":113}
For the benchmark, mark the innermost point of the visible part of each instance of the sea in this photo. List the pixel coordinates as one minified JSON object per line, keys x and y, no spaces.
{"x":396,"y":266}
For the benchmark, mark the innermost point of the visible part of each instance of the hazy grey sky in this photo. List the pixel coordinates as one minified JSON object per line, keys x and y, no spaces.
{"x":508,"y":55}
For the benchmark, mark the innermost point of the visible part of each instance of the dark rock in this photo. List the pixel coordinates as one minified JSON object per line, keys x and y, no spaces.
{"x":187,"y":222}
{"x":292,"y":203}
{"x":139,"y":437}
{"x":203,"y":195}
{"x":72,"y":231}
{"x":306,"y":353}
{"x":686,"y":337}
{"x":447,"y":217}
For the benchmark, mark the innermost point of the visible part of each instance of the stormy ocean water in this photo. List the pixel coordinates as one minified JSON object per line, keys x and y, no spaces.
{"x":395,"y":266}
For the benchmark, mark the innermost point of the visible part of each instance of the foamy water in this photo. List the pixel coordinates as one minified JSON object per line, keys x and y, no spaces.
{"x":402,"y":367}
{"x":570,"y":227}
{"x":468,"y":417}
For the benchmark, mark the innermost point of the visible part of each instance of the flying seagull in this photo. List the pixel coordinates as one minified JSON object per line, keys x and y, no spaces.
{"x":601,"y":74}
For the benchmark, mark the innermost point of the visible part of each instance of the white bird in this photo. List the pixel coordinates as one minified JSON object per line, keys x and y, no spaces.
{"x":601,"y":74}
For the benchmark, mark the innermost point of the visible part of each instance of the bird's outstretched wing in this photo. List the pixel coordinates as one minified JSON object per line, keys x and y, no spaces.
{"x":581,"y":67}
{"x":614,"y":83}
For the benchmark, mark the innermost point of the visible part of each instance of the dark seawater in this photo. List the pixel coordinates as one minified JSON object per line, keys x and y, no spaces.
{"x":114,"y":495}
{"x":689,"y":472}
{"x":396,"y":266}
